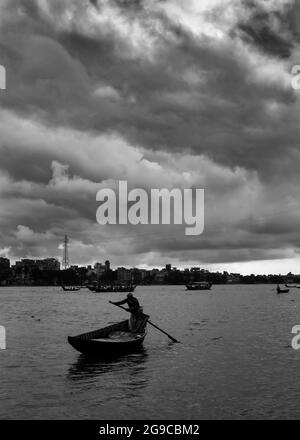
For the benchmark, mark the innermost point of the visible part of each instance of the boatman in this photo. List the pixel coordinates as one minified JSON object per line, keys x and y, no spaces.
{"x":137,"y":318}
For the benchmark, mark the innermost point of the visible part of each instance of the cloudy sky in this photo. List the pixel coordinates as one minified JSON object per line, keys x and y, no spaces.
{"x":161,"y":93}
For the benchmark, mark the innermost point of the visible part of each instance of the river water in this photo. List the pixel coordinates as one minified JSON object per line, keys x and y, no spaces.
{"x":235,"y":358}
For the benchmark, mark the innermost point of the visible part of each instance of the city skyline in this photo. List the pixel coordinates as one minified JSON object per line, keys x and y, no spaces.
{"x":218,"y":269}
{"x":50,"y":272}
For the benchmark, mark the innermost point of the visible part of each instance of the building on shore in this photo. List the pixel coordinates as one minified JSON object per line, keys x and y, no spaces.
{"x":123,"y":275}
{"x":4,"y":264}
{"x":48,"y":264}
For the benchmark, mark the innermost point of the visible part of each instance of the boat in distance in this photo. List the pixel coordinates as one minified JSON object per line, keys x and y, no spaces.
{"x":70,"y":289}
{"x":110,"y":288}
{"x":203,"y":285}
{"x":279,"y":290}
{"x":111,"y":340}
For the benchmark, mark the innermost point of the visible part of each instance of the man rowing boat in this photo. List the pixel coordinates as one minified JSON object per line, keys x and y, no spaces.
{"x":137,"y":319}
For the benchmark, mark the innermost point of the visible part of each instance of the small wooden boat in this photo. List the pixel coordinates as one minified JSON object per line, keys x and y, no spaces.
{"x":282,"y":290}
{"x":111,"y":340}
{"x":204,"y":285}
{"x":292,"y":287}
{"x":70,"y":289}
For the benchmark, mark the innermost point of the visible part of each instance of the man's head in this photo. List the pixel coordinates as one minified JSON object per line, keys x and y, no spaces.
{"x":129,"y":295}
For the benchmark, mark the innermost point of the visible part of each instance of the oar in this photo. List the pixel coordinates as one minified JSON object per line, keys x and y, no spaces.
{"x":151,"y":323}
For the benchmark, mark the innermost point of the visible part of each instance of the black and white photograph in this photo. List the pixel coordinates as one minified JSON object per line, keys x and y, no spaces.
{"x":149,"y":213}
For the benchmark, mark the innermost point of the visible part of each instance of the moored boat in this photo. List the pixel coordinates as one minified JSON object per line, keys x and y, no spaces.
{"x":119,"y":288}
{"x":203,"y":285}
{"x":111,"y":340}
{"x":70,"y":289}
{"x":279,"y":290}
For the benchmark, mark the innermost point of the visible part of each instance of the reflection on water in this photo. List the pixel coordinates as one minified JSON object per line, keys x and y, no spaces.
{"x":88,"y":367}
{"x":120,"y":379}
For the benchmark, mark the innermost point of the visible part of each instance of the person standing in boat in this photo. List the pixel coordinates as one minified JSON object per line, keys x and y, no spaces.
{"x":137,"y":318}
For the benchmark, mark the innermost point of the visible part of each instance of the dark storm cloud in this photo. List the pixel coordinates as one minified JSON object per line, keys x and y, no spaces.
{"x":160,"y":106}
{"x":136,"y":5}
{"x":160,"y":93}
{"x":269,"y":30}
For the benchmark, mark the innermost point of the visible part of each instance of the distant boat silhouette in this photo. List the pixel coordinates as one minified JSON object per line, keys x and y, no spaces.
{"x":70,"y":289}
{"x":108,"y":288}
{"x":204,"y":285}
{"x":281,"y":290}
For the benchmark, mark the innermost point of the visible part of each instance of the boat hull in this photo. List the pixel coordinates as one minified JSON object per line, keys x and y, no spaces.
{"x":98,"y":342}
{"x":282,"y":291}
{"x":114,"y":289}
{"x":104,"y":349}
{"x":198,"y":286}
